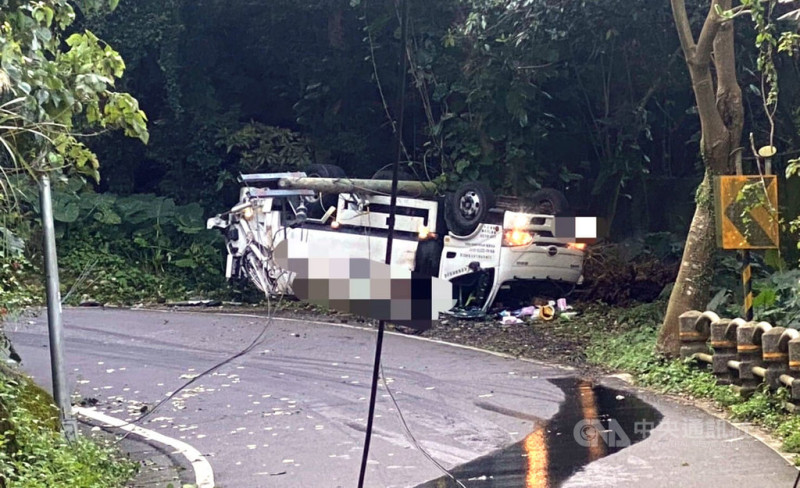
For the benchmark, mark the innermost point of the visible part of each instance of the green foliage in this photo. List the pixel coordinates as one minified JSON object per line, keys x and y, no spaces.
{"x":497,"y":79}
{"x":767,"y":40}
{"x":762,"y":406}
{"x":127,"y":249}
{"x":789,"y":431}
{"x":776,"y":291}
{"x":521,"y":95}
{"x":140,"y":248}
{"x":793,"y":170}
{"x":18,"y":289}
{"x":633,"y":351}
{"x":726,"y":289}
{"x":11,"y":245}
{"x":777,"y":299}
{"x":265,"y":148}
{"x":51,"y":91}
{"x":34,"y":454}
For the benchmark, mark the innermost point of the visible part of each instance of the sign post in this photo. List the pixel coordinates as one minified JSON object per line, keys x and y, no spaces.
{"x":54,"y":322}
{"x":747,"y":217}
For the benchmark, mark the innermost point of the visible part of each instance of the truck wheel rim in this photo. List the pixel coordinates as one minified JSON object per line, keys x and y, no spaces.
{"x":470,"y":204}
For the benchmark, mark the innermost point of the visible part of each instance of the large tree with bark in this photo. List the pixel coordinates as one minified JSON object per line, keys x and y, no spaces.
{"x":712,"y":67}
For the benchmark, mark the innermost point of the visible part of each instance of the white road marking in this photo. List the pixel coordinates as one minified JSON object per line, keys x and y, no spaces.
{"x":203,"y":473}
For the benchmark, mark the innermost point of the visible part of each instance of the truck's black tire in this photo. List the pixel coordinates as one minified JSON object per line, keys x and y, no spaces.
{"x":317,"y":205}
{"x":428,"y":257}
{"x":402,"y":175}
{"x":549,"y":201}
{"x":468,"y":207}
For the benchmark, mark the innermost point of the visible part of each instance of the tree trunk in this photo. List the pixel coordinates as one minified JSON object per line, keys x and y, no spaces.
{"x":694,"y":277}
{"x":721,"y":120}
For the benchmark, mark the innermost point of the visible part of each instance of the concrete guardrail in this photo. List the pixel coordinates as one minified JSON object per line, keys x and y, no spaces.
{"x":744,"y":354}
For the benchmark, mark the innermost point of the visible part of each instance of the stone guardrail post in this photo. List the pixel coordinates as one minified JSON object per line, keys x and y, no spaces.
{"x":755,"y":350}
{"x":694,"y":333}
{"x":777,"y":360}
{"x":794,"y":354}
{"x":792,"y":339}
{"x":723,"y":341}
{"x":748,"y":338}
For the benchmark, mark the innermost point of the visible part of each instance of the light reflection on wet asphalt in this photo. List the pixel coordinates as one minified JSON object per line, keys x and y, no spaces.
{"x":558,"y":448}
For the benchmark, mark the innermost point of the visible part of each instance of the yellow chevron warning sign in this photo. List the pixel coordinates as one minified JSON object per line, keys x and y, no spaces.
{"x":746,"y":208}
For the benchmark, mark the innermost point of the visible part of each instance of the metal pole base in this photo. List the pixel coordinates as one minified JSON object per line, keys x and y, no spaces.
{"x":70,"y":427}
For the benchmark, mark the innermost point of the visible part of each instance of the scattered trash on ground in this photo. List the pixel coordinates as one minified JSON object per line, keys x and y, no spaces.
{"x":511,"y":320}
{"x":546,"y":310}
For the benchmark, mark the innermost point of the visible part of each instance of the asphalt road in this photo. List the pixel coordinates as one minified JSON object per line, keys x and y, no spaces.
{"x":292,"y":412}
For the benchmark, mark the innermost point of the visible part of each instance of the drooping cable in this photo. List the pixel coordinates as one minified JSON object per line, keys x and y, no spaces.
{"x":258,"y":340}
{"x":412,"y":437}
{"x":376,"y":367}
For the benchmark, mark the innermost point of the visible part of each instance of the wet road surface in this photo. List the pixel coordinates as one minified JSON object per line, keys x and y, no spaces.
{"x":552,"y":453}
{"x":292,"y":412}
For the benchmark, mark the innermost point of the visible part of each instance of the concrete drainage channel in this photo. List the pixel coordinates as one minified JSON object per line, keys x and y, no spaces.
{"x":593,"y":422}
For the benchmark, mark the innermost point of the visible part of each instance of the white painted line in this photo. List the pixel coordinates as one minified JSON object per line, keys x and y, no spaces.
{"x":203,"y":473}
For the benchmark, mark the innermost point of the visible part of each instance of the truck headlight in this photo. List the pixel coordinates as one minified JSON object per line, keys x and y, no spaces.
{"x":516,"y":237}
{"x":248,"y":213}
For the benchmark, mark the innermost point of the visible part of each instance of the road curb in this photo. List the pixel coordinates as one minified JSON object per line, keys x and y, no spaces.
{"x":171,"y":458}
{"x":157,"y":468}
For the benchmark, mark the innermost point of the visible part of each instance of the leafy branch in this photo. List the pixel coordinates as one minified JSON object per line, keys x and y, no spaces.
{"x":53,"y":95}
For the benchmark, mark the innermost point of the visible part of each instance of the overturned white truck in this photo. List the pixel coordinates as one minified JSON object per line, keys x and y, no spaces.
{"x":491,"y":249}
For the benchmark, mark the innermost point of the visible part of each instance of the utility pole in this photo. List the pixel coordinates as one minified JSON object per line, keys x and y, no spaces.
{"x":54,"y":322}
{"x":376,"y":367}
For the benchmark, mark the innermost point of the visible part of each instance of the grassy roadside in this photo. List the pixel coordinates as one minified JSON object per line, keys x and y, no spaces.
{"x":626,"y":344}
{"x":35,"y":454}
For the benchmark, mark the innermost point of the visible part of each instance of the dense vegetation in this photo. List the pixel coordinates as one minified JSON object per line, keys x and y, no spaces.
{"x":574,"y":95}
{"x":591,"y":97}
{"x":56,"y":88}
